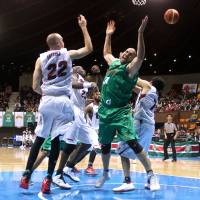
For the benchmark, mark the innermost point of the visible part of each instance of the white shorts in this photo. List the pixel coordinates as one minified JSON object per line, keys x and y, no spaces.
{"x":54,"y":115}
{"x":145,"y":133}
{"x":78,"y":130}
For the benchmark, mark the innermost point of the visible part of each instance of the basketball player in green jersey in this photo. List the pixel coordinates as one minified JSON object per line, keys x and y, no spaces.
{"x":115,"y":114}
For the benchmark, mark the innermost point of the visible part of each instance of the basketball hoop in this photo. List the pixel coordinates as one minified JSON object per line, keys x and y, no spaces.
{"x":139,"y":2}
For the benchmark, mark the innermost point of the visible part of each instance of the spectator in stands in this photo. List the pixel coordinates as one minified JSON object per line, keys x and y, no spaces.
{"x":5,"y":93}
{"x":8,"y":90}
{"x":17,"y":106}
{"x":194,"y":117}
{"x":2,"y":106}
{"x":27,"y":139}
{"x":156,"y":135}
{"x":197,"y":136}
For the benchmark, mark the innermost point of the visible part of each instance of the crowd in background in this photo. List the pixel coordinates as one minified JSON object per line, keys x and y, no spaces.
{"x":5,"y":92}
{"x":187,"y":103}
{"x":178,"y":100}
{"x":27,"y":100}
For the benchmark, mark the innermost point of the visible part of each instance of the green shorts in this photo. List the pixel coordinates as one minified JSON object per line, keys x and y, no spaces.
{"x":123,"y":127}
{"x":46,"y":146}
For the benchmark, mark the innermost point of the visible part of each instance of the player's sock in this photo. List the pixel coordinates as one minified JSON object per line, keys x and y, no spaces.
{"x":92,"y":158}
{"x":150,"y":173}
{"x":127,"y":179}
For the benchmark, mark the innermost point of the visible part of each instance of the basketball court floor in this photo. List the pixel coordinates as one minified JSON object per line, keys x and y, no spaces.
{"x":179,"y":180}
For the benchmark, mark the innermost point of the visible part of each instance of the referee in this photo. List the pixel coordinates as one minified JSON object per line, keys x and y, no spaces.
{"x":171,"y":133}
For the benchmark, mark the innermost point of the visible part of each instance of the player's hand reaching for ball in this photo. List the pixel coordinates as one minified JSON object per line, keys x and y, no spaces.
{"x":110,"y":27}
{"x":143,"y":25}
{"x":82,"y":21}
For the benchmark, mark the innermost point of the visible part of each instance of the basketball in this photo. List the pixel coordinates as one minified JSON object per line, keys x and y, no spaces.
{"x":95,"y":69}
{"x":171,"y":16}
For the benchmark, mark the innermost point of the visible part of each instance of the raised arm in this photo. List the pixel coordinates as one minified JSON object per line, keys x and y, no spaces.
{"x":136,"y":63}
{"x":107,"y":50}
{"x":88,"y":48}
{"x":145,"y":85}
{"x":37,"y":77}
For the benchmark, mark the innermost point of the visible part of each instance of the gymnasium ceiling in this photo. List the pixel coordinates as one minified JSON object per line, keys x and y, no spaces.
{"x":170,"y":49}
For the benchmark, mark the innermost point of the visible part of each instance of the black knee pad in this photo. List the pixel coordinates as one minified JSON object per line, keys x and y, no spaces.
{"x":78,"y":154}
{"x":105,"y":148}
{"x":84,"y":147}
{"x":133,"y":144}
{"x":68,"y":148}
{"x":39,"y":141}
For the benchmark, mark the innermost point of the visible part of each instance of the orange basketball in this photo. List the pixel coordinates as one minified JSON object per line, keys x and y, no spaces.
{"x":171,"y":16}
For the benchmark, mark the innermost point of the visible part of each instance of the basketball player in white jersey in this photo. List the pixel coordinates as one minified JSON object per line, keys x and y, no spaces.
{"x":46,"y":146}
{"x":77,"y":131}
{"x":144,"y":123}
{"x":54,"y":69}
{"x":91,"y":112}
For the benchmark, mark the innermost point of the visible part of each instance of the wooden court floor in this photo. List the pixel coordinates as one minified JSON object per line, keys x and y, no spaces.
{"x":14,"y":159}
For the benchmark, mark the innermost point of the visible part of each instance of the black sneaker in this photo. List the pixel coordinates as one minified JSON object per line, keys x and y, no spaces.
{"x":165,"y":158}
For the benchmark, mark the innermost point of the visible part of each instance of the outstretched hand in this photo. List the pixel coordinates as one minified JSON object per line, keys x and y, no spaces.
{"x":143,"y":25}
{"x":82,"y":21}
{"x":110,"y":27}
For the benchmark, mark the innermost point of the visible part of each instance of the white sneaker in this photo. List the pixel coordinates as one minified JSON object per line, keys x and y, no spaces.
{"x":125,"y":187}
{"x":59,"y":181}
{"x":71,"y":174}
{"x":102,"y":180}
{"x":152,"y":183}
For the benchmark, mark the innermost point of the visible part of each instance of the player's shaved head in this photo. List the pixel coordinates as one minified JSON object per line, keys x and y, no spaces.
{"x":55,"y":41}
{"x":79,"y":70}
{"x":127,"y":56}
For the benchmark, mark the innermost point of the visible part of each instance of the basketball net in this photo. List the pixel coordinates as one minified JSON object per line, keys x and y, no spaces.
{"x":139,"y":2}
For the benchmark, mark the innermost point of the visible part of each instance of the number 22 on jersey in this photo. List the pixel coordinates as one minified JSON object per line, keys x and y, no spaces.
{"x":57,"y":70}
